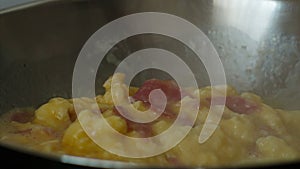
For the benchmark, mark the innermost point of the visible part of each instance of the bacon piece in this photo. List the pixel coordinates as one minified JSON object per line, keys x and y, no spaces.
{"x":172,"y":92}
{"x":169,"y":87}
{"x":21,"y":117}
{"x":241,"y":105}
{"x":173,"y":160}
{"x":237,"y":104}
{"x":23,"y":132}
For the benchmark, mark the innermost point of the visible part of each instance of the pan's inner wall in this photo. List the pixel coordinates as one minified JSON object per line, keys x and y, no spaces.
{"x":258,"y":44}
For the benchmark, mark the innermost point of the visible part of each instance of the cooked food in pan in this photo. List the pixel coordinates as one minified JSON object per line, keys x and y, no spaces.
{"x":250,"y":131}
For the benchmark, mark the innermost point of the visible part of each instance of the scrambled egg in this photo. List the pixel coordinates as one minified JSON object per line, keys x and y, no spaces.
{"x":250,"y":132}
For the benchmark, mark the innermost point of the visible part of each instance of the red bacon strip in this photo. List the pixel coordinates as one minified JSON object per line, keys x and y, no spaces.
{"x":21,"y":117}
{"x":169,"y":87}
{"x":237,"y":104}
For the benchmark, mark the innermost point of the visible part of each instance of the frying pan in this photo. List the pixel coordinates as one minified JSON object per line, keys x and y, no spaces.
{"x":257,"y":41}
